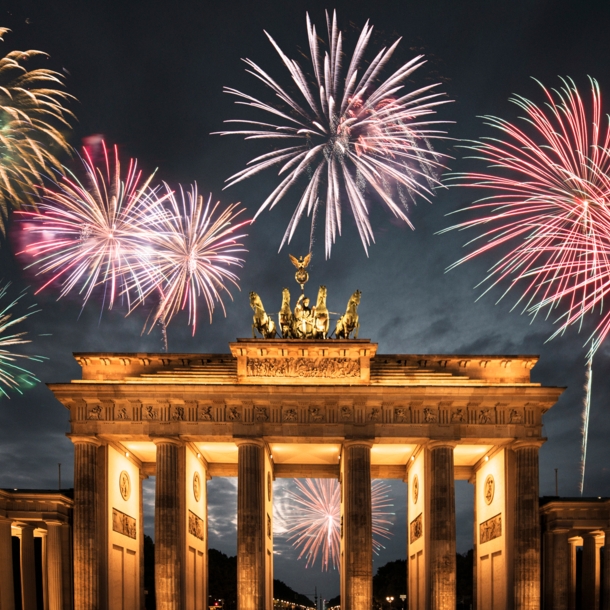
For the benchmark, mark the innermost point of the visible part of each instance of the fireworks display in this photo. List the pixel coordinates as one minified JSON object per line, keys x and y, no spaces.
{"x":84,"y":235}
{"x":187,"y":254}
{"x":13,"y":376}
{"x":351,"y":133}
{"x":314,"y":521}
{"x":546,"y":210}
{"x":32,"y":117}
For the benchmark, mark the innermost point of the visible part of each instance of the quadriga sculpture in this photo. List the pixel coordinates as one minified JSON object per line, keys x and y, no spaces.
{"x":261,"y":321}
{"x":348,"y":322}
{"x":285,"y":317}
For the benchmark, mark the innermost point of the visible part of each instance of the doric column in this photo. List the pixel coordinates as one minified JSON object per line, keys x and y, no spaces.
{"x":250,"y":529}
{"x":86,"y":537}
{"x":561,"y":570}
{"x":548,"y":569}
{"x":54,"y":566}
{"x":590,"y":571}
{"x":357,"y":524}
{"x":606,"y":574}
{"x":141,"y":536}
{"x":442,"y":527}
{"x":527,"y":527}
{"x":7,"y":593}
{"x":168,"y":565}
{"x":28,"y":567}
{"x":572,"y":573}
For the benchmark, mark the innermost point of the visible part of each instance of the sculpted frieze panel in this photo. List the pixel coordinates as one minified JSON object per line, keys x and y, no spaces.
{"x":303,"y":367}
{"x":402,"y":415}
{"x":290,"y":415}
{"x":346,"y":413}
{"x":234,"y":414}
{"x":416,"y":529}
{"x":204,"y":413}
{"x":490,"y":529}
{"x":316,"y":414}
{"x":123,"y":524}
{"x":178,"y":414}
{"x":196,"y":527}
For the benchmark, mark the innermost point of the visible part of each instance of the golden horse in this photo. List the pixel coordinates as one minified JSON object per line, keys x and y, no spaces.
{"x":348,"y":322}
{"x":321,"y":316}
{"x":261,"y":321}
{"x":285,"y":317}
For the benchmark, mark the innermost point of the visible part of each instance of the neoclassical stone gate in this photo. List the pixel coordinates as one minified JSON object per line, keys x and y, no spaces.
{"x":301,"y":408}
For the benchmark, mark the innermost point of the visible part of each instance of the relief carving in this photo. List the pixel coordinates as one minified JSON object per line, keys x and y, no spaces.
{"x":430,"y":415}
{"x":375,"y":414}
{"x":457,"y":416}
{"x":95,"y":413}
{"x":196,"y":525}
{"x":401,"y":415}
{"x":233,"y":414}
{"x":346,"y":414}
{"x":316,"y":414}
{"x":151,"y":412}
{"x":261,"y":414}
{"x":416,"y":529}
{"x":205,"y":414}
{"x":122,"y":413}
{"x":515,"y":417}
{"x":290,"y":415}
{"x":485,"y":416}
{"x":123,"y":524}
{"x":490,"y":529}
{"x":303,"y":367}
{"x":178,"y":414}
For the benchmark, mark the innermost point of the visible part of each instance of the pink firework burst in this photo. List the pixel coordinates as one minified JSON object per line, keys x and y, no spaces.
{"x":314,"y":524}
{"x":346,"y":132}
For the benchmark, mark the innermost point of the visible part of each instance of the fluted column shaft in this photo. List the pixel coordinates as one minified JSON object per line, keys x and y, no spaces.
{"x":358,"y":534}
{"x":561,"y":570}
{"x":527,"y":529}
{"x":28,"y":568}
{"x":590,"y":572}
{"x":86,"y":542}
{"x":572,"y":576}
{"x":606,"y":574}
{"x":54,"y":566}
{"x":7,"y":593}
{"x":168,"y":565}
{"x":442,"y":529}
{"x":250,"y":531}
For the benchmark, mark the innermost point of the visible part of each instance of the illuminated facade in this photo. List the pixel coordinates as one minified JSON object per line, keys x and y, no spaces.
{"x":304,"y":408}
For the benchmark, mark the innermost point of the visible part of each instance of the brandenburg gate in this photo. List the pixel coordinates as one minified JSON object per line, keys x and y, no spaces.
{"x":304,"y":408}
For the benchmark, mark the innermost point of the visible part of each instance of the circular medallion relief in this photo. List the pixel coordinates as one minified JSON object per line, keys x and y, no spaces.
{"x":269,"y":486}
{"x":415,"y":489}
{"x":197,"y":486}
{"x":124,"y":485}
{"x":489,"y":490}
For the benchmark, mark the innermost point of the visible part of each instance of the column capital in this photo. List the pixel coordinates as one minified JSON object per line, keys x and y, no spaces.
{"x":357,"y":442}
{"x":83,"y":439}
{"x":250,"y":440}
{"x":527,"y":443}
{"x":439,"y":444}
{"x":171,"y":440}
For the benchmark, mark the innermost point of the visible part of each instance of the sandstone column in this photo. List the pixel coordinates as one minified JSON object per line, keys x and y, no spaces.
{"x":168,"y":565}
{"x":54,"y":565}
{"x":548,"y":569}
{"x":7,"y":594}
{"x":86,"y":537}
{"x":606,"y":574}
{"x":358,"y":553}
{"x":28,"y":567}
{"x":141,"y":535}
{"x":527,"y":527}
{"x":442,"y":527}
{"x":590,"y":571}
{"x":250,"y":525}
{"x":572,"y":574}
{"x":561,"y":570}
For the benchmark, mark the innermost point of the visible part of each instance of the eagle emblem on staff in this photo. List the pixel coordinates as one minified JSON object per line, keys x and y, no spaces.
{"x":301,"y":276}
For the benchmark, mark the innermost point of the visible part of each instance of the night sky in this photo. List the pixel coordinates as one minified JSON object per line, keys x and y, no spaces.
{"x":148,"y":76}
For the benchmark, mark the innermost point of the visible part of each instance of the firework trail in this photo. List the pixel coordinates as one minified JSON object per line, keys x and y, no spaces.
{"x":189,"y":249}
{"x":351,"y":132}
{"x":84,"y":235}
{"x":546,"y":205}
{"x":314,"y":521}
{"x":12,"y":376}
{"x":32,"y":117}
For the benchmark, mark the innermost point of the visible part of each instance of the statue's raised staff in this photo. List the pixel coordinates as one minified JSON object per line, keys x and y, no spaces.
{"x":285,"y":317}
{"x":348,"y":322}
{"x":261,"y":320}
{"x":321,"y":316}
